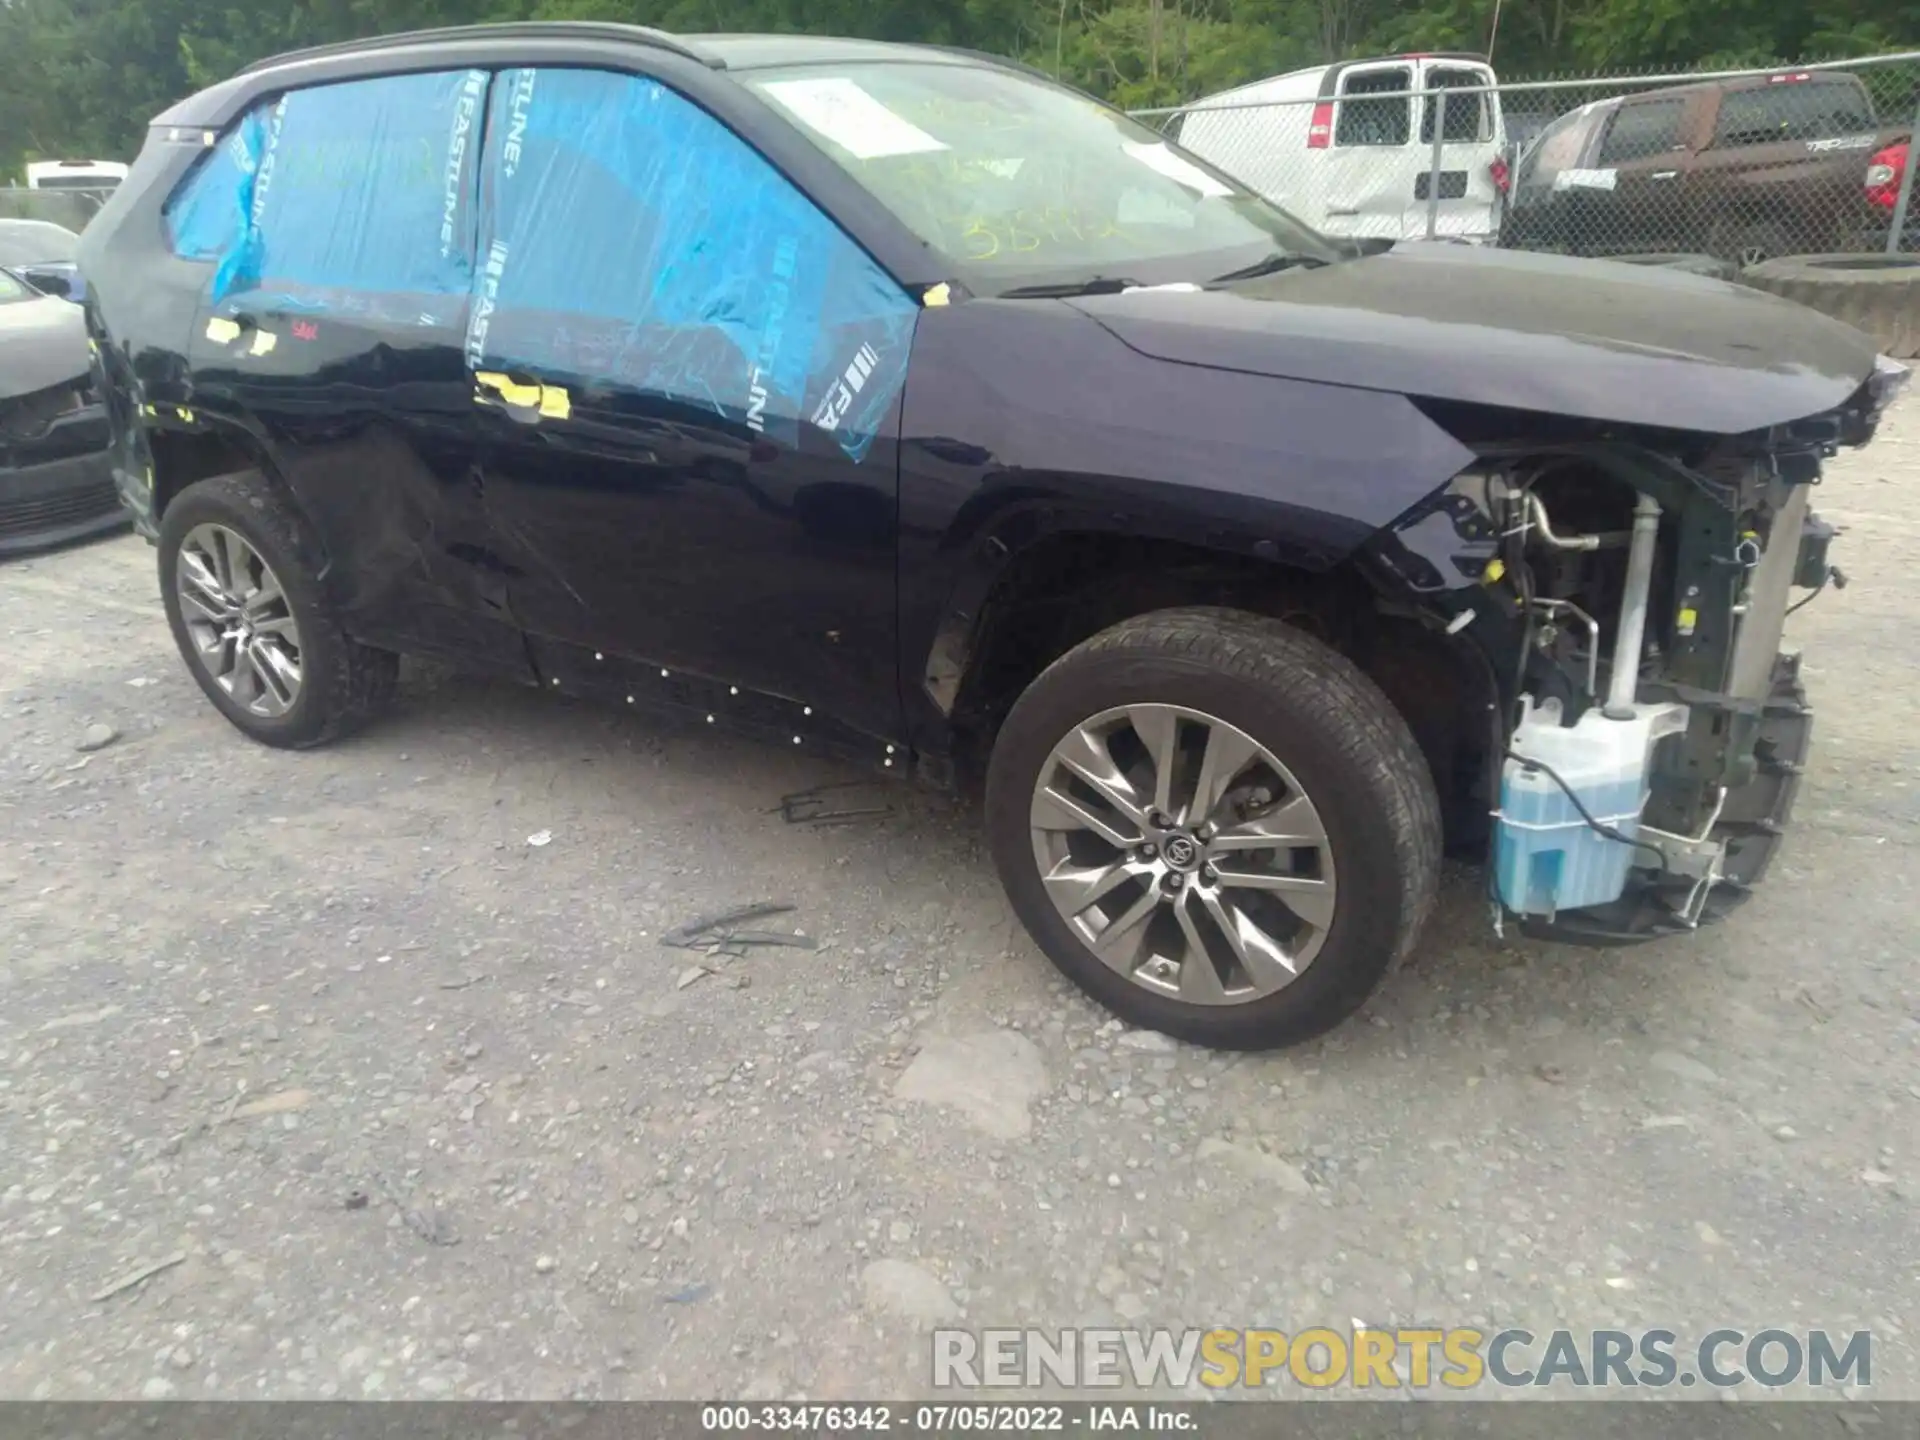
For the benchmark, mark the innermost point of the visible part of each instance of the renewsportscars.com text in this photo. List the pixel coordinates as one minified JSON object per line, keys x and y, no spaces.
{"x":1365,"y":1358}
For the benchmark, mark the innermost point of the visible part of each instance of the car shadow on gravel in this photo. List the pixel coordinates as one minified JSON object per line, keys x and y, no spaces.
{"x":1485,"y":991}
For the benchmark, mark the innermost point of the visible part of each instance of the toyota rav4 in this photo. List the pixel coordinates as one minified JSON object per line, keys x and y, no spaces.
{"x":900,"y":403}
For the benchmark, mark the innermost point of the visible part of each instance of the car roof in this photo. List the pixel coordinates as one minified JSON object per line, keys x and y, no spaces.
{"x":46,"y":229}
{"x":1744,"y":82}
{"x":23,"y":242}
{"x":1329,"y":72}
{"x":719,"y":51}
{"x":756,"y":52}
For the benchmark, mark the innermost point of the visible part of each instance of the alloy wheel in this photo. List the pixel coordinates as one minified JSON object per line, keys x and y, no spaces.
{"x":1183,"y":854}
{"x":242,"y":627}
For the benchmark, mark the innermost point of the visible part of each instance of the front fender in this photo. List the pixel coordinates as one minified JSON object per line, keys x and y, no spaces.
{"x":1025,"y":420}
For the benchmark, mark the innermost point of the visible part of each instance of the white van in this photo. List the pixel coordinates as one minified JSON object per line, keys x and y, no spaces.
{"x":1339,"y":147}
{"x":75,"y":174}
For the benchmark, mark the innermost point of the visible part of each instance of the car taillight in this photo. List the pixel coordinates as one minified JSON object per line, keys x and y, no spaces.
{"x":1320,"y":126}
{"x":1883,"y":176}
{"x":1498,"y":170}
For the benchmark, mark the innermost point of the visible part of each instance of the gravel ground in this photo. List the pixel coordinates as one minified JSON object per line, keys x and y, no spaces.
{"x":379,"y":1047}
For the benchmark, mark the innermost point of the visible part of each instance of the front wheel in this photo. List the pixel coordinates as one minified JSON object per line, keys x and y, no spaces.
{"x":1215,"y":825}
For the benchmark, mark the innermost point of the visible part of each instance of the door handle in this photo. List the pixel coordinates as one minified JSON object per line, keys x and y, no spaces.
{"x":1664,"y":174}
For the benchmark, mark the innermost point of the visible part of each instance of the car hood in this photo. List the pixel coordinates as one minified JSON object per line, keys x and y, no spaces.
{"x":1630,"y":344}
{"x":43,"y":341}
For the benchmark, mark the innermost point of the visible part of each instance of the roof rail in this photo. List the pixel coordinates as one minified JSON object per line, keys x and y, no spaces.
{"x":519,"y":29}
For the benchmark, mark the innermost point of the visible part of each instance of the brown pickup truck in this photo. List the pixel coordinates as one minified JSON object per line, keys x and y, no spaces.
{"x":1743,"y":169}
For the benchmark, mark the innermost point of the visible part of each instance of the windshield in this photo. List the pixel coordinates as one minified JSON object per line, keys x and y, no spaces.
{"x":1013,"y":179}
{"x":11,"y":289}
{"x":31,"y":242}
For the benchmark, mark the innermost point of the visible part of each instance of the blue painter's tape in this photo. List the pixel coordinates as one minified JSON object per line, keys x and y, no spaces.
{"x":630,"y":239}
{"x":362,"y":187}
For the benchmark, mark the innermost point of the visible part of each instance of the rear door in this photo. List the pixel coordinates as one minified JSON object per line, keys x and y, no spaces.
{"x":1629,"y":201}
{"x":1367,"y":172}
{"x":1471,"y":140}
{"x":1541,"y":208}
{"x":1781,"y":171}
{"x":336,"y":226}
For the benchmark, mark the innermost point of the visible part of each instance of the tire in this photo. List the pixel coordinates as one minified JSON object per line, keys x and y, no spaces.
{"x":1332,"y":735}
{"x":1709,"y":265}
{"x":1750,"y":242}
{"x":341,"y":683}
{"x":1876,"y":294}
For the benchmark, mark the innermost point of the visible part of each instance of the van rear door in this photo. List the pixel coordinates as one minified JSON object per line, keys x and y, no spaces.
{"x":1368,"y":174}
{"x":1472,"y":140}
{"x":1379,"y":165}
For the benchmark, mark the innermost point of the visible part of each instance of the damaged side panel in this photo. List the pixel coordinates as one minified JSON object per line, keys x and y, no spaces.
{"x":328,"y":236}
{"x":1231,"y":464}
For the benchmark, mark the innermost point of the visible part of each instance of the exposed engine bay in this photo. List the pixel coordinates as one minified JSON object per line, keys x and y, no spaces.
{"x":1629,"y":594}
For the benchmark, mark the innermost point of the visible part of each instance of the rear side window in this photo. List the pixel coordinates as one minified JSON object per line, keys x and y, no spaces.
{"x":1559,"y":148}
{"x":1463,"y":117}
{"x":1651,"y":127}
{"x":354,"y":196}
{"x":1366,"y":121}
{"x":1793,"y":110}
{"x":632,"y":241}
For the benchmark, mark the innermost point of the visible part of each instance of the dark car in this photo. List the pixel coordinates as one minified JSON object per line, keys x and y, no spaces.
{"x":898,"y":403}
{"x":42,"y":254}
{"x":1745,"y":170}
{"x":56,"y":471}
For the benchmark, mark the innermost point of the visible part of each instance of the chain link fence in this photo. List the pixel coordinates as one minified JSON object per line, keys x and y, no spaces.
{"x":1735,"y":167}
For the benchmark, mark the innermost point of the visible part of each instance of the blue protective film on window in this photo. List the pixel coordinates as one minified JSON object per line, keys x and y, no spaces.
{"x":632,"y":240}
{"x":207,"y":216}
{"x":351,"y":197}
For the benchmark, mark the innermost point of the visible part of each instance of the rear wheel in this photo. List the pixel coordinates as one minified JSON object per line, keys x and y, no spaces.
{"x":1215,"y":825}
{"x":239,"y":579}
{"x":1748,"y":242}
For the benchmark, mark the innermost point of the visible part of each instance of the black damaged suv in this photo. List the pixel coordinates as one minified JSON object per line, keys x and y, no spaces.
{"x":900,"y":403}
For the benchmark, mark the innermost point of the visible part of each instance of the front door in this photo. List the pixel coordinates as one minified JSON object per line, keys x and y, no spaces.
{"x":688,"y":379}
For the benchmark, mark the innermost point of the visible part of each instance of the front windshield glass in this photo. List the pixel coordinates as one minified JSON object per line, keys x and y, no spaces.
{"x":1014,"y":180}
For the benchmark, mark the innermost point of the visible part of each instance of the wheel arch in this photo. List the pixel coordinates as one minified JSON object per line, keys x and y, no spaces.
{"x":187,"y":451}
{"x":1043,"y":580}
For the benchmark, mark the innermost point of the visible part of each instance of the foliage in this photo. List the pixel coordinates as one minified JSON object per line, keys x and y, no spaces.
{"x":83,"y":77}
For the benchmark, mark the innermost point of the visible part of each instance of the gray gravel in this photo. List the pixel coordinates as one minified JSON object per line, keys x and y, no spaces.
{"x":397,"y":1099}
